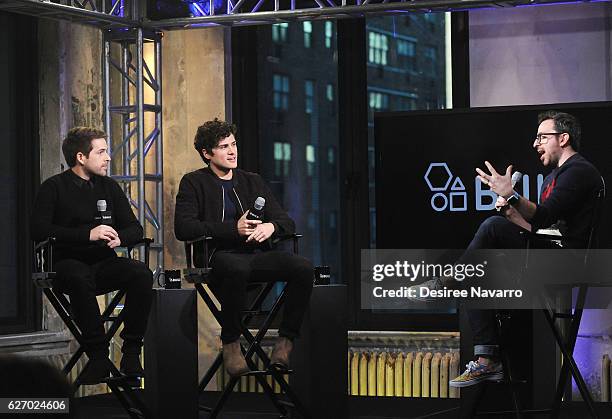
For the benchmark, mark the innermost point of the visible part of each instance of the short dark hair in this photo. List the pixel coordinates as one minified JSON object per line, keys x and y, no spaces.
{"x":564,"y":122}
{"x":210,"y":133}
{"x":78,"y":140}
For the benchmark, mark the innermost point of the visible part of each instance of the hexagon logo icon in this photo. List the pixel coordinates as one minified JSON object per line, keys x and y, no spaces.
{"x":442,"y":170}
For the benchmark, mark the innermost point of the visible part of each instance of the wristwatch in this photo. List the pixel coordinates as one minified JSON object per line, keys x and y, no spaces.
{"x":514,"y":198}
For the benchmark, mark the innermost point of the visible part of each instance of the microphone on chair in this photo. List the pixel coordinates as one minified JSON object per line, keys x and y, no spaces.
{"x":257,"y":212}
{"x":104,"y":216}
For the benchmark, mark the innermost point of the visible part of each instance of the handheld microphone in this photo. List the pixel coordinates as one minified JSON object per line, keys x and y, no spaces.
{"x":517,"y":177}
{"x":104,"y":216}
{"x":256,"y":213}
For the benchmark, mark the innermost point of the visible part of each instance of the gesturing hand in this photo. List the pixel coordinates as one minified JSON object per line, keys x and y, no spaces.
{"x":262,"y":232}
{"x":500,"y":184}
{"x":246,"y":227}
{"x":103,"y":232}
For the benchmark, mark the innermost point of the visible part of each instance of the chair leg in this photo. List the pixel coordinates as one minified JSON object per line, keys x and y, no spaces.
{"x":217,"y":363}
{"x":573,"y":368}
{"x":513,"y":385}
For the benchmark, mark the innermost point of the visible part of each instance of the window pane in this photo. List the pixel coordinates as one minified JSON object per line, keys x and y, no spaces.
{"x":402,"y":76}
{"x":304,"y":187}
{"x":329,"y":93}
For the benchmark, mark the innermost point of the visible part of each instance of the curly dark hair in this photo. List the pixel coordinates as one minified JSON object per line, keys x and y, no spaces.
{"x":210,"y":133}
{"x":564,"y":122}
{"x":78,"y":140}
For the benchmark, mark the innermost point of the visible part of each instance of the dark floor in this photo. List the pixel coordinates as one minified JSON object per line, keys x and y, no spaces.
{"x":107,"y":407}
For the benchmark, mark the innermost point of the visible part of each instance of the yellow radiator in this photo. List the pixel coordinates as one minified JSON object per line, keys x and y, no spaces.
{"x":400,"y":374}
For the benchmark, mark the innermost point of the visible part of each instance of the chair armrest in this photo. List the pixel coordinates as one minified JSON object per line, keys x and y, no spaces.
{"x":549,"y":238}
{"x":543,"y":236}
{"x":146,"y":242}
{"x":50,"y":241}
{"x":199,"y":239}
{"x":43,"y":255}
{"x":293,"y":236}
{"x":189,"y":244}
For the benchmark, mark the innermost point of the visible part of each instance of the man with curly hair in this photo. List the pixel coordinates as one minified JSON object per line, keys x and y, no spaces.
{"x":214,"y":201}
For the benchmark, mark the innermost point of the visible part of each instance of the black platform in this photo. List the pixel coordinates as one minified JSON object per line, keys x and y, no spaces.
{"x":106,"y":407}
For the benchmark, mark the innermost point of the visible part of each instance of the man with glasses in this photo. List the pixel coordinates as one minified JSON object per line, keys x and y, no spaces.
{"x":567,"y":201}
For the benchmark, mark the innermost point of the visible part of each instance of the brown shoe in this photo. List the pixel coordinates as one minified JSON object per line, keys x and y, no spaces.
{"x":280,"y":353}
{"x":234,"y":361}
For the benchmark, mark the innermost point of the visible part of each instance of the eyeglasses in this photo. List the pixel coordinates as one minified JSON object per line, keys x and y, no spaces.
{"x":542,"y":138}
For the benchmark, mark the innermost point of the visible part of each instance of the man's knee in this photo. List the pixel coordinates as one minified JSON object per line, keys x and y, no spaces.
{"x":74,"y":276}
{"x":141,"y":275}
{"x":303,"y":270}
{"x":233,"y":274}
{"x":493,"y":222}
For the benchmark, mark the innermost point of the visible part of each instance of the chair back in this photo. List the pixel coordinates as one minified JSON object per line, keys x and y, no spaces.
{"x":600,"y":197}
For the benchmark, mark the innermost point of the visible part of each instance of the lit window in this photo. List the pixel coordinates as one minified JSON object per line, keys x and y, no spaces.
{"x":329,"y":92}
{"x":378,"y":48}
{"x":280,"y":88}
{"x":329,"y":34}
{"x":310,"y":159}
{"x":279,"y":32}
{"x":309,"y":94}
{"x":331,"y":160}
{"x":405,"y":48}
{"x":282,"y":158}
{"x":307,"y":34}
{"x":331,"y":155}
{"x":379,"y":101}
{"x":430,"y":53}
{"x":430,"y":58}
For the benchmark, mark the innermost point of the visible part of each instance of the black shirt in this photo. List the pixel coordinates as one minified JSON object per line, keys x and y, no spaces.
{"x":230,"y":213}
{"x":65,"y":208}
{"x":568,"y":199}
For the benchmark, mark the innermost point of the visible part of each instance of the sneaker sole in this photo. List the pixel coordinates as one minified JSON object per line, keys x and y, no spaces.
{"x":492,"y":377}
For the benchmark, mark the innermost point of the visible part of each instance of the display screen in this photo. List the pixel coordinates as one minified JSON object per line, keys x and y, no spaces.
{"x":427,"y":192}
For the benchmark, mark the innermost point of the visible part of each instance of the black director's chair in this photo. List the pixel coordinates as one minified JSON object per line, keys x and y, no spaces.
{"x":565,"y":333}
{"x":44,"y":277}
{"x":202,"y":276}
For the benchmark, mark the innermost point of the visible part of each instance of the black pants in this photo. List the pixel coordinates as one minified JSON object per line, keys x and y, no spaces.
{"x":495,"y":232}
{"x":82,"y":283}
{"x":233,"y":270}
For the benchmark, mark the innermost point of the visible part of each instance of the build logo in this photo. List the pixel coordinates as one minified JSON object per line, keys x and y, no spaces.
{"x":450,"y":194}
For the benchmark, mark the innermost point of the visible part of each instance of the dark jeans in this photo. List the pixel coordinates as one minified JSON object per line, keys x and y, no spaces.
{"x":495,"y":232}
{"x":84,"y":282}
{"x":233,"y":270}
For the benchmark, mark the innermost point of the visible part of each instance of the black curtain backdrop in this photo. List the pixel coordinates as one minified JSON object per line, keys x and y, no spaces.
{"x":19,"y":172}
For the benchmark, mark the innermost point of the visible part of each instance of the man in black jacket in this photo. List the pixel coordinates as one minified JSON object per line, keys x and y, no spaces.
{"x":214,"y":201}
{"x":84,"y":260}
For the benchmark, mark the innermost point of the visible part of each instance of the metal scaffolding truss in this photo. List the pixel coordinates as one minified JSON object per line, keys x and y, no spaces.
{"x":252,"y":12}
{"x":128,"y":13}
{"x":133,"y":121}
{"x":101,"y":13}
